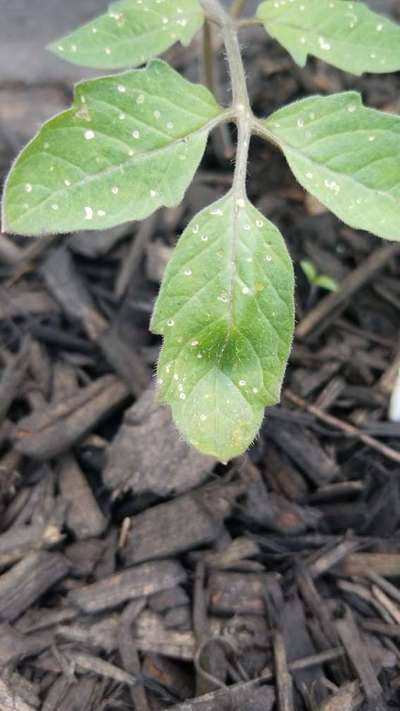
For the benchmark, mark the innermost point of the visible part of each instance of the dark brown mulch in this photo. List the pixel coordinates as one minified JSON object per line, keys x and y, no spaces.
{"x":138,"y":574}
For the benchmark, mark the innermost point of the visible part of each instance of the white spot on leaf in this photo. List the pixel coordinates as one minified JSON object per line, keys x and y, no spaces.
{"x":324,"y":44}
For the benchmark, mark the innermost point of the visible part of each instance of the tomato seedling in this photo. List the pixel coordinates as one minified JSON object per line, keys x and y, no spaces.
{"x":131,"y":143}
{"x":316,"y":280}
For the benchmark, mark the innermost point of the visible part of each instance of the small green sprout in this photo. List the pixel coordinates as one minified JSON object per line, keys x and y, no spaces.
{"x":321,"y":281}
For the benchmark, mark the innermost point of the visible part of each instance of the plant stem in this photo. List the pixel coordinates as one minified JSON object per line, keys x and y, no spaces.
{"x":237,"y":7}
{"x":208,"y":65}
{"x":240,"y":98}
{"x":242,"y":105}
{"x":244,"y":122}
{"x":223,"y":146}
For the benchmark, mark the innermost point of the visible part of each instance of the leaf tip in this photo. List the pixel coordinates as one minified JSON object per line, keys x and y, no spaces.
{"x":56,"y":48}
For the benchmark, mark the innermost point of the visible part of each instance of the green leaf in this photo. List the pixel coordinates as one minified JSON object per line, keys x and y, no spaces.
{"x":131,"y":32}
{"x":225,"y":311}
{"x":346,"y":155}
{"x":130,"y":143}
{"x":309,"y":270}
{"x":314,"y":279}
{"x":326,"y":282}
{"x":345,"y":34}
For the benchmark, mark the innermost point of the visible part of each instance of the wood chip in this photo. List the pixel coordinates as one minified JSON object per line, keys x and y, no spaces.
{"x":53,"y":430}
{"x":142,"y":580}
{"x":28,"y":580}
{"x":10,"y":701}
{"x":134,"y":463}
{"x":361,"y":564}
{"x":283,"y":678}
{"x":12,"y":377}
{"x":358,"y":656}
{"x":186,"y":522}
{"x":246,"y":697}
{"x":83,"y":516}
{"x":237,"y":593}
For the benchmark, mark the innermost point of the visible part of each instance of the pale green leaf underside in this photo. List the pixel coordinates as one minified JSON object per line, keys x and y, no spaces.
{"x":345,"y":34}
{"x":347,"y":155}
{"x":130,"y":143}
{"x":131,"y":32}
{"x":225,"y":311}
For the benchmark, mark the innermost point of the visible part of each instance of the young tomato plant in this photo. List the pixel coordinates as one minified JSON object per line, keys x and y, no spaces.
{"x":131,"y":143}
{"x":316,"y":280}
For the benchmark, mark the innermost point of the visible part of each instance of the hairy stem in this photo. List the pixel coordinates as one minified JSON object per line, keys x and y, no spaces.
{"x":240,"y":98}
{"x":222,"y":143}
{"x":244,"y":121}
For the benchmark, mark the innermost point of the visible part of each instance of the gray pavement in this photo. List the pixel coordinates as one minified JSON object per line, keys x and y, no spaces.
{"x":27,"y":26}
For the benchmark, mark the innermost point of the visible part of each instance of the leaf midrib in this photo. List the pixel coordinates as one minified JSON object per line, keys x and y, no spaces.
{"x":286,"y":145}
{"x":183,"y":109}
{"x":233,"y":278}
{"x":314,"y":31}
{"x":343,"y":176}
{"x":111,"y":170}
